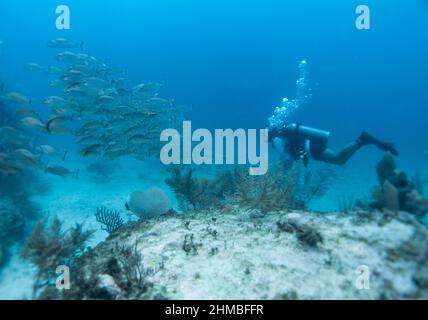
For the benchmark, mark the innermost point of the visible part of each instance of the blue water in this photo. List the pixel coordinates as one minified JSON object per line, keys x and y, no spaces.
{"x":232,"y":62}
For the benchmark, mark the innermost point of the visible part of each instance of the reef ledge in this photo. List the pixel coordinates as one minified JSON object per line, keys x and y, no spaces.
{"x":239,"y":254}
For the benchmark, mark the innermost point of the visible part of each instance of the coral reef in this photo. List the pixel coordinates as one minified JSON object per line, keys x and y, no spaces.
{"x":110,"y":219}
{"x":270,"y":192}
{"x":49,"y":247}
{"x":199,"y":193}
{"x":396,"y":192}
{"x":223,"y":254}
{"x":119,"y":275}
{"x":283,"y":187}
{"x":131,"y":263}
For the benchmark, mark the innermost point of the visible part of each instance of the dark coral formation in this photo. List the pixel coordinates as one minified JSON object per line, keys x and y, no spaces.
{"x":270,"y":192}
{"x":199,"y":193}
{"x":189,"y":245}
{"x":110,"y":219}
{"x":120,"y":274}
{"x":282,"y":188}
{"x":396,"y":192}
{"x":130,"y":262}
{"x":305,"y":234}
{"x":49,"y":247}
{"x":285,"y":187}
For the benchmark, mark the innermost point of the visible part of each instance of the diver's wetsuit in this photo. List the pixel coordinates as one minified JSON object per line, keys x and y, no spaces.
{"x":304,"y":143}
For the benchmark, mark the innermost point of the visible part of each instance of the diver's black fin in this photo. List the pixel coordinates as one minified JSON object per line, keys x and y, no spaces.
{"x":365,"y":139}
{"x":388,"y":147}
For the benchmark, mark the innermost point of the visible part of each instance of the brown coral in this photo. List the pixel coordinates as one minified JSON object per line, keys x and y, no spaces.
{"x":395,"y":191}
{"x":49,"y":247}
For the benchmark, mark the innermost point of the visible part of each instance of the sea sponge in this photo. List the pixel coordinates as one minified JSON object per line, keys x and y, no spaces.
{"x":385,"y":168}
{"x":150,"y":203}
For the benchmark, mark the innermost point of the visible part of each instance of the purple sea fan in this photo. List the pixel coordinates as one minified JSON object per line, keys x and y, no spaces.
{"x":150,"y":203}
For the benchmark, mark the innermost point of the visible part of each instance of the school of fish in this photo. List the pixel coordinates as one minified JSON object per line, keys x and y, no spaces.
{"x":108,"y":115}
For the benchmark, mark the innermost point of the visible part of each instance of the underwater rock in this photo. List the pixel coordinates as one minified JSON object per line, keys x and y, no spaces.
{"x":149,"y":204}
{"x":254,"y":261}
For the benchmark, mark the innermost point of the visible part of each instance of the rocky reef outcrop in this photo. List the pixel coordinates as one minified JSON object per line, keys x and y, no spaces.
{"x":237,"y":254}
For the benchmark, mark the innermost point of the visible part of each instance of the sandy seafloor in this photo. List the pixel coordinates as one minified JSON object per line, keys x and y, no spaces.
{"x":75,"y":200}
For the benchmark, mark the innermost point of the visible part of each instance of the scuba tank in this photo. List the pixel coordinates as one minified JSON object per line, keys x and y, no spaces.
{"x":307,"y":133}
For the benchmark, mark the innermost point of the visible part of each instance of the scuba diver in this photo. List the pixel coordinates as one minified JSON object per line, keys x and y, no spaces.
{"x":303,"y":143}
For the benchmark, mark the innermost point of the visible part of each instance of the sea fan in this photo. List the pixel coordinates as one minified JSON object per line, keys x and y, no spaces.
{"x":150,"y":203}
{"x":109,"y":218}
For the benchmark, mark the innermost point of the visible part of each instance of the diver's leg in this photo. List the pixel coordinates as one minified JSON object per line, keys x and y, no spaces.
{"x":341,"y":157}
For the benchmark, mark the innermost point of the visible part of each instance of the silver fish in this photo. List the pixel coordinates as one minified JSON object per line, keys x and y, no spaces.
{"x":34,"y":67}
{"x":62,"y":43}
{"x":53,"y":70}
{"x":55,"y":125}
{"x":61,"y":171}
{"x":33,"y":123}
{"x":72,"y":58}
{"x":16,"y":97}
{"x":9,"y":168}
